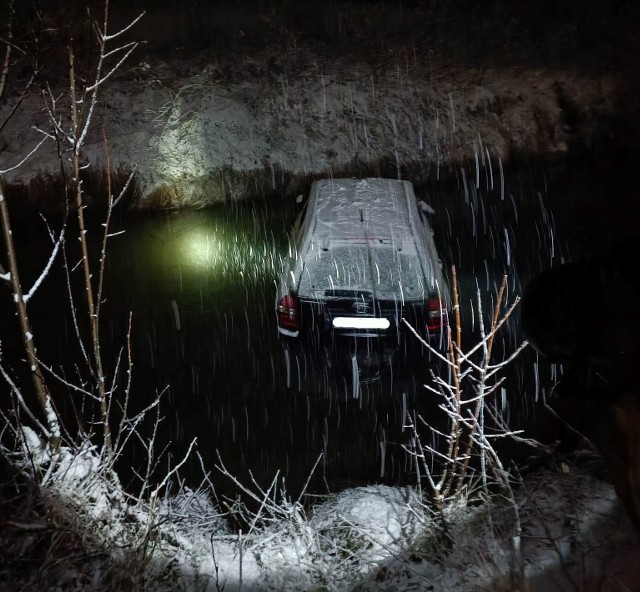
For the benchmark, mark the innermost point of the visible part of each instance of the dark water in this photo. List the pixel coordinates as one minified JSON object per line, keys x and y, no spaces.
{"x":201,"y":287}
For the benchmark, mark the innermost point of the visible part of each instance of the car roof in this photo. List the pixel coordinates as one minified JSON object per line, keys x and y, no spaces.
{"x":362,"y":209}
{"x":363,"y":235}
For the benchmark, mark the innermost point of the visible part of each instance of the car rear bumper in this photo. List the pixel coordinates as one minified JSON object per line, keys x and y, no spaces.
{"x":321,"y":322}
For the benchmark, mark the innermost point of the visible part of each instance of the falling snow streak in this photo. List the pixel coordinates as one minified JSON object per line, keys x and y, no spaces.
{"x":201,"y":286}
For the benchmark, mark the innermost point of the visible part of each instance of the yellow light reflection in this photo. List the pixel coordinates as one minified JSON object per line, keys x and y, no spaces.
{"x":200,"y":248}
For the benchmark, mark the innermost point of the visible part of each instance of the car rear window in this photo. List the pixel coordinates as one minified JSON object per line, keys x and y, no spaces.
{"x":381,"y":267}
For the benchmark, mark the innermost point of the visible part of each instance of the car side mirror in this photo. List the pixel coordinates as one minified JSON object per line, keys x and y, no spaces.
{"x":425,"y":207}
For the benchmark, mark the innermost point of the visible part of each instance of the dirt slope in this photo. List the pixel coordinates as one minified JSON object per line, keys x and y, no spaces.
{"x":273,"y":98}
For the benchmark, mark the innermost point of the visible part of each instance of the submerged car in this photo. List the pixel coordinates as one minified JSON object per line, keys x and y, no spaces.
{"x":362,"y":259}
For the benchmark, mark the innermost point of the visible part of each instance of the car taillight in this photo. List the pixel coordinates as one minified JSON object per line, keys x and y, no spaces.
{"x":436,"y":314}
{"x":288,"y":312}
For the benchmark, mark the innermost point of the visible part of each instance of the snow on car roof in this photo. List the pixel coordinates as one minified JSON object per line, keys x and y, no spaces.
{"x":363,"y":238}
{"x":351,"y":209}
{"x":387,"y":272}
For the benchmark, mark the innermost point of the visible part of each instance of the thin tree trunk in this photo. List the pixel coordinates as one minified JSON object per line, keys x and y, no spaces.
{"x":39,"y":385}
{"x":91,"y":308}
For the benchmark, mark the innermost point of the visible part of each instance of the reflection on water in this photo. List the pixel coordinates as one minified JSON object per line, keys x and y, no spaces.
{"x":201,"y":286}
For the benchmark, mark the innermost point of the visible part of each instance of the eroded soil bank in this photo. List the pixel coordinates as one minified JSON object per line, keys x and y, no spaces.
{"x":227,"y":103}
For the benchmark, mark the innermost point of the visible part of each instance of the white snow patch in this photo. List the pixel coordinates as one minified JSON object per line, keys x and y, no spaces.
{"x":36,"y":448}
{"x":374,"y":538}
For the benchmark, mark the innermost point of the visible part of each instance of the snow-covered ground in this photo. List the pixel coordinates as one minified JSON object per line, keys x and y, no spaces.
{"x":565,"y":531}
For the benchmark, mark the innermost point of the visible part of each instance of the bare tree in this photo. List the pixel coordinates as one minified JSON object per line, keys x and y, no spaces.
{"x":70,"y":116}
{"x":465,"y":391}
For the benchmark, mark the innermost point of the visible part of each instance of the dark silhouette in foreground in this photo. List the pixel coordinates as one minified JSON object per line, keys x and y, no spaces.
{"x":586,"y":316}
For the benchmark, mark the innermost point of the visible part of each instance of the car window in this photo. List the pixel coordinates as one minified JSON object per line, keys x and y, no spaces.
{"x":380,"y":268}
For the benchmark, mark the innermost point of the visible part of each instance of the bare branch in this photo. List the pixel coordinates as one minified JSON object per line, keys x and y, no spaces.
{"x":154,"y":493}
{"x":113,"y":70}
{"x":123,"y":191}
{"x":68,"y":384}
{"x":26,"y":158}
{"x":426,"y":344}
{"x":116,"y":50}
{"x":47,"y":268}
{"x":17,"y":104}
{"x":39,"y":384}
{"x":106,"y":37}
{"x":13,"y":45}
{"x":7,"y":59}
{"x":498,"y":326}
{"x":21,"y":402}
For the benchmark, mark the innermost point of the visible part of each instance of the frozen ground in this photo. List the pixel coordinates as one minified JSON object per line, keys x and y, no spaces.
{"x":573,"y":536}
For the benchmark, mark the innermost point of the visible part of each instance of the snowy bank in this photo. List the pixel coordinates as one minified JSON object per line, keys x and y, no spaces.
{"x":569,"y":528}
{"x":202,"y":137}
